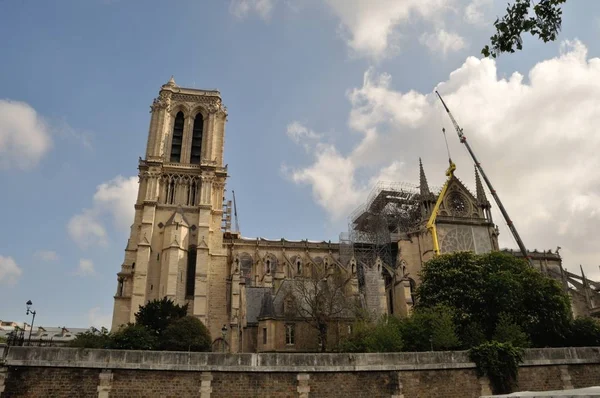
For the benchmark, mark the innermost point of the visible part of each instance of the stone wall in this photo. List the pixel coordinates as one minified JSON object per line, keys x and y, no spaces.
{"x":71,"y":372}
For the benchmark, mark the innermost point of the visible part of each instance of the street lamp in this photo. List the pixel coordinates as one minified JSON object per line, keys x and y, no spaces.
{"x":223,"y":334}
{"x":32,"y":312}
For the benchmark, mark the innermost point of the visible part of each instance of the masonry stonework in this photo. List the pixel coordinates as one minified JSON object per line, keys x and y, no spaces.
{"x":69,"y":372}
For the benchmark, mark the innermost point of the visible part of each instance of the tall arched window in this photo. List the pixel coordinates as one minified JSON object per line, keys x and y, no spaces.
{"x":190,"y":280}
{"x":177,"y":138}
{"x":197,"y":139}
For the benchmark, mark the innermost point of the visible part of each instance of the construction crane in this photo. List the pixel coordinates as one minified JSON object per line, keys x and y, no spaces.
{"x":431,"y":223}
{"x":509,"y":222}
{"x":235,"y":216}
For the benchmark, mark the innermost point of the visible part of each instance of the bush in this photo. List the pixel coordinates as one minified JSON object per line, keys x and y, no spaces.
{"x":429,"y":329}
{"x":509,"y":332}
{"x":499,"y":362}
{"x":383,"y":336}
{"x":92,"y":338}
{"x":133,"y":337}
{"x":186,"y":334}
{"x":585,"y":332}
{"x":157,"y":315}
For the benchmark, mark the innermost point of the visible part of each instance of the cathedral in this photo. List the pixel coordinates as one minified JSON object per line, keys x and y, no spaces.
{"x":182,"y":246}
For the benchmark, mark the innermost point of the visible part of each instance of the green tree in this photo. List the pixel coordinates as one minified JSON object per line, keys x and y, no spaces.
{"x":133,"y":337}
{"x":92,"y":338}
{"x":186,"y":334}
{"x":479,"y":288}
{"x":507,"y":331}
{"x":585,"y":332}
{"x":157,"y":315}
{"x":542,"y":19}
{"x":429,"y":329}
{"x":381,"y":336}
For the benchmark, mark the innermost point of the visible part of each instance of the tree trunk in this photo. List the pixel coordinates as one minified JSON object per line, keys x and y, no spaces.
{"x":323,"y":336}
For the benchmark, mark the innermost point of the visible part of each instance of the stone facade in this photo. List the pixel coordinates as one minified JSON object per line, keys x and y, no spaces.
{"x":70,"y":372}
{"x":182,"y":247}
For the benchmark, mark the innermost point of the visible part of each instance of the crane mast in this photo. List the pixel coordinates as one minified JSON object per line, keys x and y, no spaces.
{"x":509,"y":222}
{"x":236,"y":225}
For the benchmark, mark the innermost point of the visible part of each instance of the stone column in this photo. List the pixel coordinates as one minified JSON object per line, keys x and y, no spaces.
{"x":565,"y":377}
{"x":205,"y":388}
{"x":398,"y":393}
{"x":105,"y":384}
{"x":303,"y":385}
{"x":3,"y":377}
{"x":484,"y":383}
{"x":201,"y":282}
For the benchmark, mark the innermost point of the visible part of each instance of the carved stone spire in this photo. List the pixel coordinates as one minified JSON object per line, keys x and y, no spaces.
{"x":423,"y":186}
{"x":171,"y":81}
{"x":481,"y":198}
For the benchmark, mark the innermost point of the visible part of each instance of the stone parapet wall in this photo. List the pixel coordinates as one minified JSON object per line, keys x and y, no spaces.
{"x":68,"y":372}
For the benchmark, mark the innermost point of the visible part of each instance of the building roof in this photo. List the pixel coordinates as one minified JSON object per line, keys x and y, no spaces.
{"x":254,"y":302}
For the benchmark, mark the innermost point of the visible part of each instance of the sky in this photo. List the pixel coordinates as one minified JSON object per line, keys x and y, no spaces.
{"x":325,"y":98}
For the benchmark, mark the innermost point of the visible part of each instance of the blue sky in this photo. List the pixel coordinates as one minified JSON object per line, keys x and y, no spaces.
{"x":325,"y":97}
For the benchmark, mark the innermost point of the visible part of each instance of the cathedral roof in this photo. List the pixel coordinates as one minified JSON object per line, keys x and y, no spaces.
{"x":254,"y":300}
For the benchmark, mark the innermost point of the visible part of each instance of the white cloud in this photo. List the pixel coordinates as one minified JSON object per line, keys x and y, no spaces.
{"x":24,"y":136}
{"x":442,"y":41}
{"x":9,"y":271}
{"x":46,"y":255}
{"x":370,"y":26}
{"x":98,"y":319}
{"x":475,"y":12}
{"x":536,"y":138}
{"x":114,"y":198}
{"x":86,"y":267}
{"x":242,"y":8}
{"x":302,"y":135}
{"x":87,"y":230}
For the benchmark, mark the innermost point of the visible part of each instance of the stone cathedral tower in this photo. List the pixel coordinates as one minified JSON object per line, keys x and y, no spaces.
{"x":175,"y":249}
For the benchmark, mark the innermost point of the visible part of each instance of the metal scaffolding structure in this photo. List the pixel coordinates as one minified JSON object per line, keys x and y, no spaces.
{"x":392,"y":209}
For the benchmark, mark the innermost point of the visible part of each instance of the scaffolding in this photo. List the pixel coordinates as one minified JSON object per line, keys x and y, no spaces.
{"x":391,"y":210}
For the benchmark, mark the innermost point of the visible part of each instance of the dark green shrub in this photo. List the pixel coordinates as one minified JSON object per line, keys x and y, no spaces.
{"x":499,"y":362}
{"x":133,"y":337}
{"x":186,"y":334}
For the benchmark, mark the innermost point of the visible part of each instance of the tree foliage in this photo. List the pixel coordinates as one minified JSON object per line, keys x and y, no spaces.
{"x":585,"y":332}
{"x":157,"y":315}
{"x":186,"y":334}
{"x":507,"y":331}
{"x":542,"y":19}
{"x":429,"y":329}
{"x":499,"y":362}
{"x":381,"y":336}
{"x":133,"y":337}
{"x":482,"y":288}
{"x":92,"y":338}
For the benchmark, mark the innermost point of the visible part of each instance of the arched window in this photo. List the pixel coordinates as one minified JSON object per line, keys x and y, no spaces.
{"x":197,"y":139}
{"x":177,"y":138}
{"x":190,"y":280}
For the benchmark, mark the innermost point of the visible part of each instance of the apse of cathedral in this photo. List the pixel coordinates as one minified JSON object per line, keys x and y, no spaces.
{"x":182,"y":245}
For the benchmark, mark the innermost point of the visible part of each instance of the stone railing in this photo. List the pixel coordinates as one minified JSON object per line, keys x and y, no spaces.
{"x":276,"y":362}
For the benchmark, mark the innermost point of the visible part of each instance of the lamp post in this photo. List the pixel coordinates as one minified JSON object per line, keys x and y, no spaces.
{"x":32,"y":312}
{"x":223,"y":334}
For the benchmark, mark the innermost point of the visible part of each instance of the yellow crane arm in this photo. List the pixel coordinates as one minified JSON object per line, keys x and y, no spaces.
{"x":431,"y":223}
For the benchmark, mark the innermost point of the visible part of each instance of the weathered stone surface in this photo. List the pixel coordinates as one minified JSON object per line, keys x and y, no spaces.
{"x":71,"y":372}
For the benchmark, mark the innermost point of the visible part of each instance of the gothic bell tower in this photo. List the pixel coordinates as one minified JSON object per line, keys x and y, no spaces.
{"x":176,"y":234}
